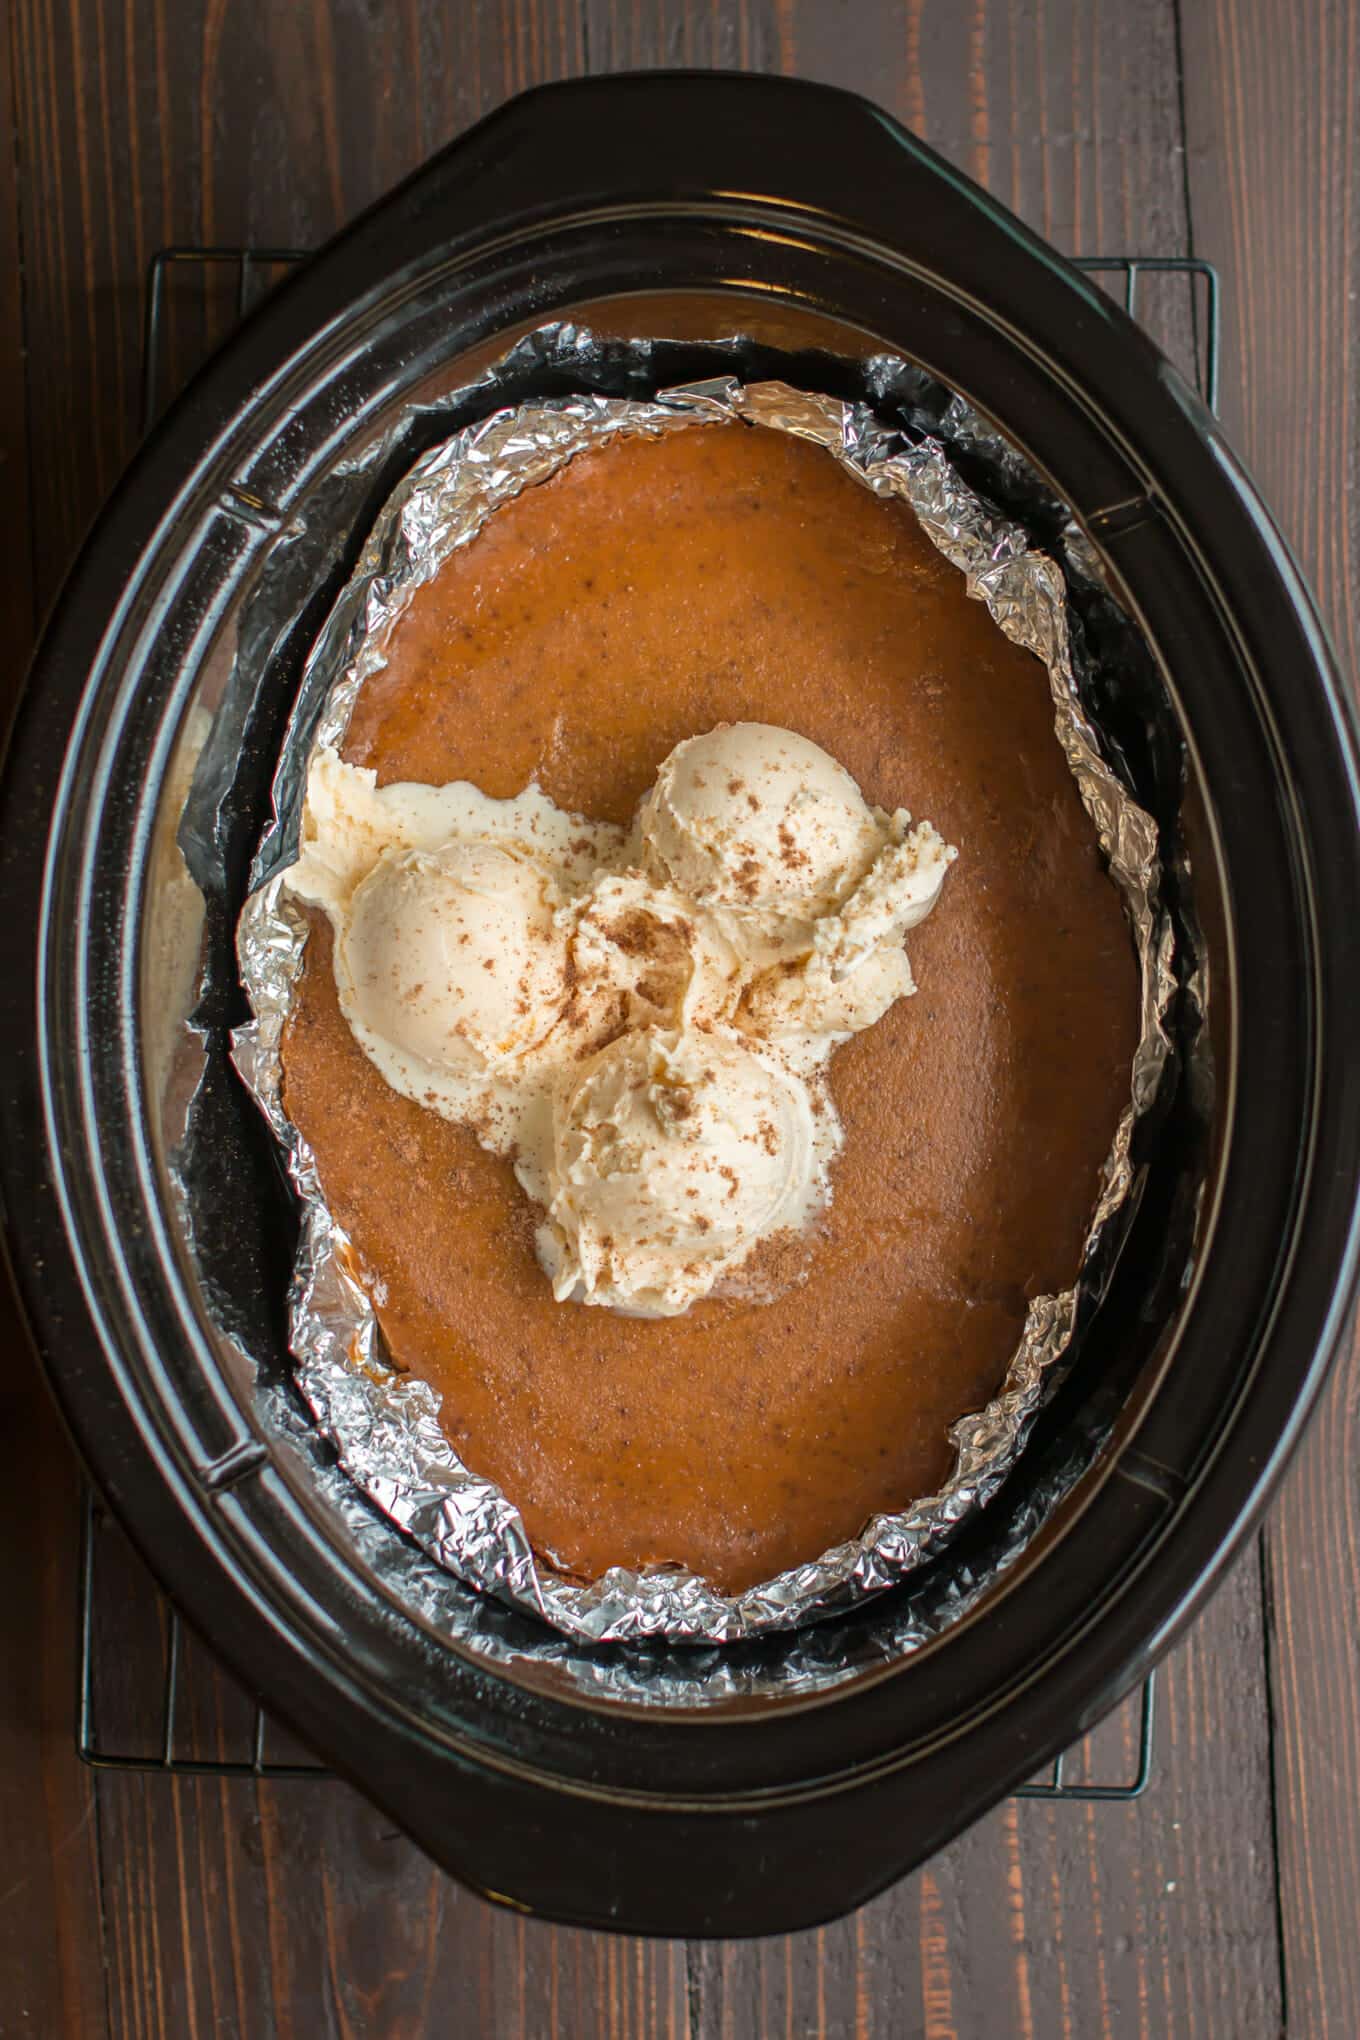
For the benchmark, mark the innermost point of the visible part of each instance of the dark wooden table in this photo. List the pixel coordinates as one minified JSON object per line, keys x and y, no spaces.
{"x":1225,"y":1902}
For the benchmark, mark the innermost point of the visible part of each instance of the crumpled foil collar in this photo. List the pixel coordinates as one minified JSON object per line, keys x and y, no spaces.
{"x":385,"y":1426}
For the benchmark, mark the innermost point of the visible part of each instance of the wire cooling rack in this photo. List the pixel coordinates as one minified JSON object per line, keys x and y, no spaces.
{"x":150,"y":1696}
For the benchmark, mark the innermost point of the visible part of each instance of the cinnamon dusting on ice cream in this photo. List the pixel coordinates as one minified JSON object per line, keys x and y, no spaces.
{"x":641,"y":1020}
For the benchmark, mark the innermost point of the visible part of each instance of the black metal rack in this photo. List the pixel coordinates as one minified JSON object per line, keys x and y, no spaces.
{"x":240,"y":276}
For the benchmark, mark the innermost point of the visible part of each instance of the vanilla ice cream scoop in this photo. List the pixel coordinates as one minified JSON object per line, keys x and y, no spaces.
{"x":451,"y":955}
{"x":675,"y":1154}
{"x":803,"y":1007}
{"x":760,"y":821}
{"x":641,"y":1023}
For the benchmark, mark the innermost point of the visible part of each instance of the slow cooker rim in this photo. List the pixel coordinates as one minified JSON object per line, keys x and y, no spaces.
{"x":1297,"y":1416}
{"x":812,"y":1702}
{"x":78,"y":733}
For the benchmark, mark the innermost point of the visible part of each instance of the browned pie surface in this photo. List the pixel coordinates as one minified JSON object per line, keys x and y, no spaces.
{"x":646,"y":593}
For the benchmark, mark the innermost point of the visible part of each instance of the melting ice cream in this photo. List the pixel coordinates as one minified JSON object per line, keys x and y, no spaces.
{"x":642,"y":1020}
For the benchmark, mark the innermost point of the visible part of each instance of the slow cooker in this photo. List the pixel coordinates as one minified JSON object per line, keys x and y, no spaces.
{"x":804,"y":225}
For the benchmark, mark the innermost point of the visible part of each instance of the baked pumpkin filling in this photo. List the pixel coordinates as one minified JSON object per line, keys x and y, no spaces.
{"x":676,"y":702}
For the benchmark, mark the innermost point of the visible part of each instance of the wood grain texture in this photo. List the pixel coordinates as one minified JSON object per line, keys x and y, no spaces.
{"x":51,"y":1936}
{"x":1068,"y":111}
{"x":188,"y":121}
{"x":293,"y":1908}
{"x":1151,"y":1919}
{"x":16,"y":576}
{"x":49,"y":1904}
{"x":1273,"y":128}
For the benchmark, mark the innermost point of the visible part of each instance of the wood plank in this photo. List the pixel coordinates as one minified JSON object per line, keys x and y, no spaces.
{"x":49,"y":1883}
{"x":51,"y":1943}
{"x":296,"y":1909}
{"x":1273,"y":127}
{"x":154,"y":124}
{"x":16,"y":589}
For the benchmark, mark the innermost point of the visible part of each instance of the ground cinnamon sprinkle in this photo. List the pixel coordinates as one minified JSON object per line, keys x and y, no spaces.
{"x":638,"y":933}
{"x":789,"y":852}
{"x":779,"y":1263}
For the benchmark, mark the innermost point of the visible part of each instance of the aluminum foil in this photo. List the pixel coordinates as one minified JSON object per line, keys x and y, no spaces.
{"x":385,"y":1426}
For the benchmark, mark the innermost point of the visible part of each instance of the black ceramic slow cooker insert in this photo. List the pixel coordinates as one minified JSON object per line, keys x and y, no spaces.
{"x":805,"y":223}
